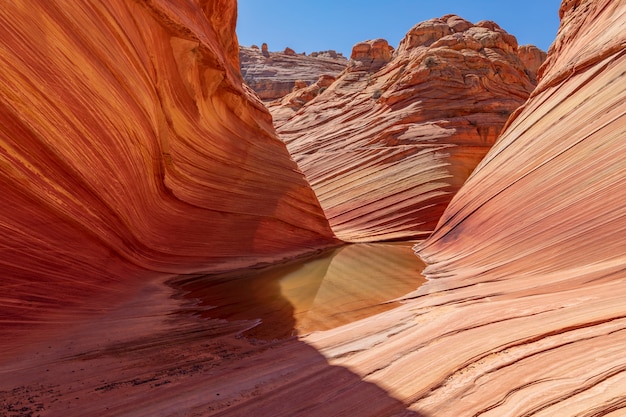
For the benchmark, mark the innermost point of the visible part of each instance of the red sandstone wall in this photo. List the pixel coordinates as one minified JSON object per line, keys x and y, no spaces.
{"x":129,"y":146}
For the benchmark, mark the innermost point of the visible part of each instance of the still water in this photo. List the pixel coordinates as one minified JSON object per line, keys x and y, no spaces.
{"x":335,"y":288}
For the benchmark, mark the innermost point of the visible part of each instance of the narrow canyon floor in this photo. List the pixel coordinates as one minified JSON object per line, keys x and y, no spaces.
{"x":233,"y":344}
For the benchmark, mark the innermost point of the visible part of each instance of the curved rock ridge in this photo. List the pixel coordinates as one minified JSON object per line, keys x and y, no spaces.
{"x":129,"y":145}
{"x":528,"y":262}
{"x":388,"y":144}
{"x":273,"y":75}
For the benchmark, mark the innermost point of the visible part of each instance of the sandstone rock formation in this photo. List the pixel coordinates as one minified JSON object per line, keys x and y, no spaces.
{"x":284,"y":108}
{"x":533,"y":58}
{"x":523,"y":314}
{"x":370,"y":55}
{"x":129,"y":146}
{"x":388,"y":143}
{"x":529,"y":258}
{"x":273,"y":75}
{"x":153,"y":356}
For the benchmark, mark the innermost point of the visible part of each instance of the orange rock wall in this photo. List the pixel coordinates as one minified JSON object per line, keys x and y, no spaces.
{"x":129,"y":145}
{"x":387,"y":145}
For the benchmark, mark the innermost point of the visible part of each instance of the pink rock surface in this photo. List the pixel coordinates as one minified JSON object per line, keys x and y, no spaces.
{"x":529,"y":257}
{"x":387,"y":145}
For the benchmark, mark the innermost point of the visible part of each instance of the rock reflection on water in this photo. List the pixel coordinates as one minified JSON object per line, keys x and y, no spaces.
{"x":337,"y":287}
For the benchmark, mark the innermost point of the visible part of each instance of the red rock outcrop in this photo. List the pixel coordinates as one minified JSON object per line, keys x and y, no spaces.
{"x":388,"y":144}
{"x":533,"y":58}
{"x":129,"y":145}
{"x":523,"y":314}
{"x":370,"y":55}
{"x":272,"y":75}
{"x":284,"y":108}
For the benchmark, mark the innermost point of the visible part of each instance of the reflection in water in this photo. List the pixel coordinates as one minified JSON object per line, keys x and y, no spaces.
{"x":332,"y":289}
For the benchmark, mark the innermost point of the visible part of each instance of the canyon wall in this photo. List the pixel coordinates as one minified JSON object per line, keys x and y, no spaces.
{"x":527,"y":264}
{"x":523,"y":313}
{"x":388,"y":143}
{"x":130,"y":146}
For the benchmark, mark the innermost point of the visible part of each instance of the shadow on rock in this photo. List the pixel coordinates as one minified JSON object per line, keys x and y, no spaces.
{"x":163,"y":352}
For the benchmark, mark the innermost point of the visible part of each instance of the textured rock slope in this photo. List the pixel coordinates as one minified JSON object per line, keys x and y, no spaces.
{"x":388,"y":143}
{"x":129,"y":145}
{"x":530,"y":256}
{"x":273,"y":75}
{"x":523,"y":315}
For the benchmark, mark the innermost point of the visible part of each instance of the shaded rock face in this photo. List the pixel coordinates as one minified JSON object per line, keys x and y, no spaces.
{"x":272,"y":75}
{"x":388,"y":143}
{"x":533,"y":58}
{"x":130,"y":146}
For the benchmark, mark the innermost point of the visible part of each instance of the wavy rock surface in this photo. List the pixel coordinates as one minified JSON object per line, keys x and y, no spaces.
{"x":387,"y":145}
{"x":523,"y":314}
{"x":129,"y":146}
{"x":529,"y":259}
{"x":273,"y":75}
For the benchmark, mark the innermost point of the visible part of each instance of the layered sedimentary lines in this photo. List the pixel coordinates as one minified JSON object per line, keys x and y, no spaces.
{"x":273,"y":75}
{"x":128,"y":144}
{"x":388,"y":143}
{"x":528,"y":261}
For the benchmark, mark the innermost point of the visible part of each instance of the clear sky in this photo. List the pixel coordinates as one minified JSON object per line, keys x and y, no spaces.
{"x":316,"y":25}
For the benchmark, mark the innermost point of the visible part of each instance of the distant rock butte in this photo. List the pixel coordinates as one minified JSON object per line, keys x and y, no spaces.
{"x":390,"y":141}
{"x":273,"y":75}
{"x":129,"y":146}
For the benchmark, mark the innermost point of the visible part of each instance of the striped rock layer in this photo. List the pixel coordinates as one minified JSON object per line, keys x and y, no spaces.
{"x":528,"y":262}
{"x":387,"y":145}
{"x":523,"y":314}
{"x":273,"y":75}
{"x":129,"y":146}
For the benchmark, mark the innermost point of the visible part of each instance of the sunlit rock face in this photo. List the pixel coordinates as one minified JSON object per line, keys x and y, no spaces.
{"x":130,"y":146}
{"x":529,"y":258}
{"x":387,"y":145}
{"x":272,"y":75}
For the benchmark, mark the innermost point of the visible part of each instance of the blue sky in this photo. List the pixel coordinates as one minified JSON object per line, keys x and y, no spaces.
{"x":315,"y":25}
